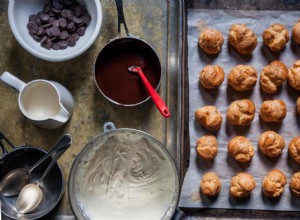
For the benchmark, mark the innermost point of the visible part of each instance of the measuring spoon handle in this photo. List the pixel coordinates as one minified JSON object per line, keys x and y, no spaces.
{"x":63,"y":143}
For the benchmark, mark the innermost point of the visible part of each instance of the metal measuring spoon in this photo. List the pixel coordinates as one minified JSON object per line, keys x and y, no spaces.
{"x":31,"y":195}
{"x":13,"y":182}
{"x":160,"y":104}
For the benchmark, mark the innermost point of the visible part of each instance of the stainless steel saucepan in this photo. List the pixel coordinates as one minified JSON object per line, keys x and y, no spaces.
{"x":111,"y":73}
{"x":123,"y":174}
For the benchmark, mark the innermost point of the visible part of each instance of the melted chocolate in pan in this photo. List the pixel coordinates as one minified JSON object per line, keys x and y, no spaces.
{"x":112,"y":75}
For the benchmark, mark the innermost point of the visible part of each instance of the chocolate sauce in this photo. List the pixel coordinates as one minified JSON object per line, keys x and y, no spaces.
{"x":113,"y":77}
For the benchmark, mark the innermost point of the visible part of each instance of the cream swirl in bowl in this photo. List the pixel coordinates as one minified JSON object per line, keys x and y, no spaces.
{"x":126,"y":175}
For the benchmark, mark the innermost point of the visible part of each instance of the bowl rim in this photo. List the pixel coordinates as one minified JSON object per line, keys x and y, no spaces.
{"x":73,"y":199}
{"x":55,"y":58}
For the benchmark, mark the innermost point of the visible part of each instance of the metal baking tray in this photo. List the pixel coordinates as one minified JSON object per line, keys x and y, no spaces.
{"x":158,"y":22}
{"x":237,"y":9}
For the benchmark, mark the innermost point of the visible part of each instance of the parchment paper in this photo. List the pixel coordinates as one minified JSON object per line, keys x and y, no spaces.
{"x":224,"y":165}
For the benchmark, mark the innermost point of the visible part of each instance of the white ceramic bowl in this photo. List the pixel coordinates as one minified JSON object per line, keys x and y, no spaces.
{"x":19,"y":12}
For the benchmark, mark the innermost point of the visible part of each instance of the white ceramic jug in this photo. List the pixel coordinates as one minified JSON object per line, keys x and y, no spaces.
{"x":46,"y":103}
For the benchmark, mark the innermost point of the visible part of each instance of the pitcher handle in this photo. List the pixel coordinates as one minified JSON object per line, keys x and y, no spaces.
{"x":12,"y":81}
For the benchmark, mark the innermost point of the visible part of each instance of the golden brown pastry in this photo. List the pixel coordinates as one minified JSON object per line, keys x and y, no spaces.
{"x":276,"y":37}
{"x":210,"y":40}
{"x":296,"y":32}
{"x":241,"y":112}
{"x":298,"y":105}
{"x":241,"y":185}
{"x":211,"y":76}
{"x":295,"y":184}
{"x":273,"y":111}
{"x":242,"y":77}
{"x":294,"y":75}
{"x":273,"y":183}
{"x":209,"y":117}
{"x":273,"y":76}
{"x":207,"y":146}
{"x":242,"y":38}
{"x":294,"y":149}
{"x":271,"y":143}
{"x":241,"y":149}
{"x":210,"y":184}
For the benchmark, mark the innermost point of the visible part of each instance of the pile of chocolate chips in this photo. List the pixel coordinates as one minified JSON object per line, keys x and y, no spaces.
{"x":59,"y":24}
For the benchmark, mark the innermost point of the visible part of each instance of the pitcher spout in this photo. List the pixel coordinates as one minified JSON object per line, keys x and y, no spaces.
{"x":62,"y":116}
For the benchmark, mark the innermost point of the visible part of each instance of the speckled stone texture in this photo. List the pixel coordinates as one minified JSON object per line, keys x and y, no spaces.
{"x":144,"y":19}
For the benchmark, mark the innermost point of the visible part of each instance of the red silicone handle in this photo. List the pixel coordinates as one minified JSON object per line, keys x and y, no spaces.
{"x":160,"y":104}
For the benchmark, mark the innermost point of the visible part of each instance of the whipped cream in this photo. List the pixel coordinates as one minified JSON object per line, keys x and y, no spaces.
{"x":126,"y":176}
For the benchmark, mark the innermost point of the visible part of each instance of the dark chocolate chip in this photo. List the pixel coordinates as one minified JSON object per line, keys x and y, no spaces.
{"x":39,"y":22}
{"x":51,"y":19}
{"x":51,"y":14}
{"x":40,"y":13}
{"x":72,"y":7}
{"x":76,"y":36}
{"x":70,"y":15}
{"x":62,"y":22}
{"x":62,"y":2}
{"x":56,"y":11}
{"x":86,"y":18}
{"x":48,"y":32}
{"x":43,"y":39}
{"x":77,"y":20}
{"x":35,"y":37}
{"x":55,"y":46}
{"x":81,"y":31}
{"x":73,"y":30}
{"x":55,"y":31}
{"x":72,"y":41}
{"x":47,"y":8}
{"x":53,"y":39}
{"x":81,"y":24}
{"x":47,"y":44}
{"x":33,"y":18}
{"x":77,"y":11}
{"x":69,"y":2}
{"x":44,"y":18}
{"x":64,"y":13}
{"x":70,"y":25}
{"x":63,"y":35}
{"x":32,"y":27}
{"x":63,"y":44}
{"x":55,"y":23}
{"x":83,"y":10}
{"x":46,"y":25}
{"x":41,"y":31}
{"x":56,"y":4}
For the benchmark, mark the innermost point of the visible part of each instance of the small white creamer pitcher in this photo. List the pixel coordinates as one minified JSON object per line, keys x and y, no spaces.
{"x":46,"y":103}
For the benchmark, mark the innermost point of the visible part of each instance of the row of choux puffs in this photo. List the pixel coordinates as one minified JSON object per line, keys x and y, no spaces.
{"x":240,"y":148}
{"x":244,"y":77}
{"x":242,"y":112}
{"x":243,"y":184}
{"x":244,"y":40}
